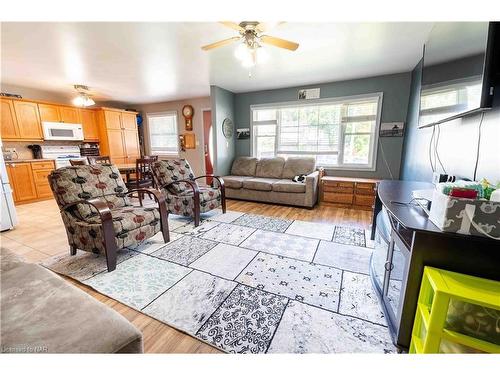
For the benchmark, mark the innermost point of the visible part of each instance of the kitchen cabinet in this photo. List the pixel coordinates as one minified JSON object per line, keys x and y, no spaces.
{"x":70,"y":115}
{"x":49,"y":112}
{"x":21,"y":181}
{"x":29,"y":180}
{"x":41,"y":171}
{"x":28,"y":120}
{"x":118,"y":135}
{"x":9,"y":126}
{"x":59,"y":113}
{"x":89,"y":123}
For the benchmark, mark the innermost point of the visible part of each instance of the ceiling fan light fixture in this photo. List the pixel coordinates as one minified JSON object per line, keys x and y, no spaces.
{"x":261,"y":55}
{"x":82,"y":99}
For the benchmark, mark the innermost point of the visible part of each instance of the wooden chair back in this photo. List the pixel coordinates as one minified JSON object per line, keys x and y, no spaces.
{"x":78,"y":162}
{"x":93,"y":160}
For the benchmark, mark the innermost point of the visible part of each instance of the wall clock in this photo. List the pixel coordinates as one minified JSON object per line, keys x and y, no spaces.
{"x":188,"y":113}
{"x":227,"y":128}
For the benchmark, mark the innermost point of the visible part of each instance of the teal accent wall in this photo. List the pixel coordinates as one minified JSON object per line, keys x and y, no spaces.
{"x":457,"y":145}
{"x":222,"y":104}
{"x":396,"y":89}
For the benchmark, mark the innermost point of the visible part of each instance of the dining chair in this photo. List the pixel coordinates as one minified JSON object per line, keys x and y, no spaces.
{"x":143,"y":175}
{"x":93,"y":160}
{"x":78,"y":162}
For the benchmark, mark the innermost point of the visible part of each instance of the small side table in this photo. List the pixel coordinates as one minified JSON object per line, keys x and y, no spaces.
{"x":347,"y":191}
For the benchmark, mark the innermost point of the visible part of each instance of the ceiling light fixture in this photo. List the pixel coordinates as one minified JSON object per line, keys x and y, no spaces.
{"x":83,"y":99}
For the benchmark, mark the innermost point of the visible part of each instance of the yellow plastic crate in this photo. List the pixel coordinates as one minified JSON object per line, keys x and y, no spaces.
{"x":456,"y":313}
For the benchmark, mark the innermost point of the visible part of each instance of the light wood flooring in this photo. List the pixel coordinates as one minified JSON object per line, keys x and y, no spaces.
{"x":41,"y":235}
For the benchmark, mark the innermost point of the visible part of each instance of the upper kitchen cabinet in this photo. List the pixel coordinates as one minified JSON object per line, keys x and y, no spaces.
{"x":70,"y":115}
{"x":9,"y":126}
{"x":89,"y":122}
{"x":118,"y":135}
{"x":59,"y":113}
{"x":49,"y":112}
{"x":28,"y":120}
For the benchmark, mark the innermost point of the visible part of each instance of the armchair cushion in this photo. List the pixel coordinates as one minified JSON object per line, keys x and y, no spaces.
{"x":171,"y":170}
{"x":129,"y":218}
{"x":210,"y":198}
{"x":103,"y":181}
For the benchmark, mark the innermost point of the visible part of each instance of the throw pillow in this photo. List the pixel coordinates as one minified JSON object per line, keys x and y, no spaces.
{"x":299,"y":178}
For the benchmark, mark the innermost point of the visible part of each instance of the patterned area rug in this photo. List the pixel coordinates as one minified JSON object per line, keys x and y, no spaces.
{"x":249,"y":284}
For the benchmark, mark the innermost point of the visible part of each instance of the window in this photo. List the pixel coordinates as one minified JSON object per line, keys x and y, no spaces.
{"x":163,"y":135}
{"x":339,"y":133}
{"x":446,"y":99}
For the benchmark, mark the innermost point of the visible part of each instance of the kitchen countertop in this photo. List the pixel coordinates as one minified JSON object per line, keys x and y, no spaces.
{"x":26,"y":160}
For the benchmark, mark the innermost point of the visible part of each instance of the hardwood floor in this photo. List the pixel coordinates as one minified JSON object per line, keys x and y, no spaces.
{"x":41,"y":235}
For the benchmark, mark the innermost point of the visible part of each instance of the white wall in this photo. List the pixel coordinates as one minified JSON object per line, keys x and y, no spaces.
{"x":195,"y":156}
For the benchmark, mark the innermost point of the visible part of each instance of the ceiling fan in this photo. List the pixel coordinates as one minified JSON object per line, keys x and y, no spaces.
{"x":251,"y":38}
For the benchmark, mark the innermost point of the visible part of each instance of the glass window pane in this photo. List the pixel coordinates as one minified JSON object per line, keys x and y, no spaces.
{"x":362,"y":109}
{"x":360,"y":127}
{"x":264,"y":114}
{"x":330,"y":114}
{"x":265,"y":130}
{"x":265,"y":147}
{"x":331,"y":160}
{"x":308,"y":116}
{"x":356,"y":149}
{"x":289,"y":117}
{"x":163,"y":133}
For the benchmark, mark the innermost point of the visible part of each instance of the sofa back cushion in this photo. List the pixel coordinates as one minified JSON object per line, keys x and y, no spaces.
{"x":295,"y":166}
{"x":270,"y":167}
{"x":244,"y":166}
{"x":83,"y":182}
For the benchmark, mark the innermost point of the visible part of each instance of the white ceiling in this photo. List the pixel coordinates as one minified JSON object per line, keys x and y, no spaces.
{"x":153,"y":62}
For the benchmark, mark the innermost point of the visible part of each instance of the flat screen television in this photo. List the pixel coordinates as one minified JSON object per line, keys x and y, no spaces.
{"x":457,"y":71}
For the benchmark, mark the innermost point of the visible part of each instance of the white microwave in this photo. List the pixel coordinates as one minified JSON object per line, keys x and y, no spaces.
{"x":61,"y":131}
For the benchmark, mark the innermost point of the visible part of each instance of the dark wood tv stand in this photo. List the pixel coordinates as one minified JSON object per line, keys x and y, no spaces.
{"x":416,"y":242}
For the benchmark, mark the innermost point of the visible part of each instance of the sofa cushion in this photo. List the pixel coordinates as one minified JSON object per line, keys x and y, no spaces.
{"x":244,"y":166}
{"x":295,"y":166}
{"x":288,"y":186}
{"x":270,"y":167}
{"x":234,"y":182}
{"x":263,"y":184}
{"x":9,"y":260}
{"x":42,"y":312}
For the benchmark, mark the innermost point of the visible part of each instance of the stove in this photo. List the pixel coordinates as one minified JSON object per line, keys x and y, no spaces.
{"x":61,"y":154}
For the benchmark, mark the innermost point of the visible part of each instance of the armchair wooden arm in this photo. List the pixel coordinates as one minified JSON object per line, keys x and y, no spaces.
{"x":107,"y":228}
{"x":222,"y":188}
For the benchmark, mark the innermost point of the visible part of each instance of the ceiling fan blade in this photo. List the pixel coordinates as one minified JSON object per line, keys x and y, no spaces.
{"x":278,"y":42}
{"x":232,"y":25}
{"x":220,"y":43}
{"x":265,"y":26}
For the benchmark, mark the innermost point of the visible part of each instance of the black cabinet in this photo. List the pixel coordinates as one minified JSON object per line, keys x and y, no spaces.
{"x":405,"y":242}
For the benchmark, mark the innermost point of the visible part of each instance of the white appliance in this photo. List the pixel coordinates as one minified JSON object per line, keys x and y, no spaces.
{"x":9,"y":216}
{"x":61,"y":154}
{"x":62,"y":131}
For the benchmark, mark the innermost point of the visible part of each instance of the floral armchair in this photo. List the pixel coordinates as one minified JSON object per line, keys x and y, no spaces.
{"x":98,"y":214}
{"x":183,"y":194}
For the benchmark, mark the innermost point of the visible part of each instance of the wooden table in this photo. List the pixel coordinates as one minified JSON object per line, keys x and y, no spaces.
{"x":126,"y":169}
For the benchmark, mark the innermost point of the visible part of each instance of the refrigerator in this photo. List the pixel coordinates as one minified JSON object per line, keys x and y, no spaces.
{"x":8,"y":210}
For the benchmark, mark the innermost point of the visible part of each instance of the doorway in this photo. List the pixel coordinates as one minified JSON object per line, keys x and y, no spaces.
{"x":208,"y":144}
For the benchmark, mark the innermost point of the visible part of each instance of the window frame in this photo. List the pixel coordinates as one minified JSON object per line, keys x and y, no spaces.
{"x":372,"y":157}
{"x":163,"y":114}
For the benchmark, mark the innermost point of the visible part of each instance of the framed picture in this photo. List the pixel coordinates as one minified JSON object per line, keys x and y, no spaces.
{"x":243,"y":133}
{"x":392,"y":129}
{"x":305,"y":94}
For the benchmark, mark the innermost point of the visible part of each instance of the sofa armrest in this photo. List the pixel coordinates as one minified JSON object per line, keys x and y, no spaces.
{"x":312,"y":183}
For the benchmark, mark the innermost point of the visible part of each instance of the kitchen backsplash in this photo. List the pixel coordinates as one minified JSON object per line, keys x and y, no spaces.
{"x":24,"y":152}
